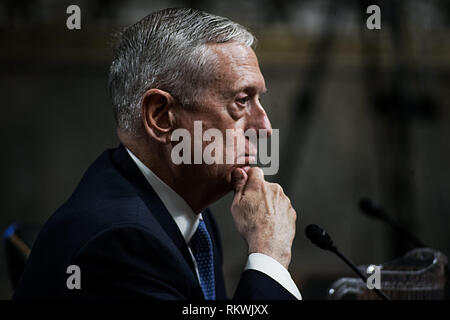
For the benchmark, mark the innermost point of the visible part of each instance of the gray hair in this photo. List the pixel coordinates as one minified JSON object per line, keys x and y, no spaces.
{"x":166,"y":50}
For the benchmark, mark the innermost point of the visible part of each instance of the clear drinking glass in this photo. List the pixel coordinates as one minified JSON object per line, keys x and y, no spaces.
{"x":418,"y":275}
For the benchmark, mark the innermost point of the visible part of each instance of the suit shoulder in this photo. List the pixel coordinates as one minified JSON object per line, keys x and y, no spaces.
{"x":103,"y":196}
{"x":103,"y":199}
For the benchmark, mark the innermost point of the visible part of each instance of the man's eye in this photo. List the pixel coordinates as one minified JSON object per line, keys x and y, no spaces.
{"x":243,"y":100}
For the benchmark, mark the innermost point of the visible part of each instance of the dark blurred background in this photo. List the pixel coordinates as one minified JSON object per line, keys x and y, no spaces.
{"x":361,"y":113}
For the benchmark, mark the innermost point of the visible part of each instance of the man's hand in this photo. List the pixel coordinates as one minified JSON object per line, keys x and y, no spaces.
{"x":263,"y":215}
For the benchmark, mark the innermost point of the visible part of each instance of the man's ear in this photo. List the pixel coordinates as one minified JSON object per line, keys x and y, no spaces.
{"x":158,"y":114}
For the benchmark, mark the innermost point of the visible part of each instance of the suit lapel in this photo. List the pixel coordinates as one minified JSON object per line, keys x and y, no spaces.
{"x":132,"y":173}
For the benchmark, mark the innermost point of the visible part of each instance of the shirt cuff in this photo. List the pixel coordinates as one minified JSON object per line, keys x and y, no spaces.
{"x":271,"y":267}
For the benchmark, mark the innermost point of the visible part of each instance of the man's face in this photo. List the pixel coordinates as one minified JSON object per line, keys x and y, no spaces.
{"x":231,"y":101}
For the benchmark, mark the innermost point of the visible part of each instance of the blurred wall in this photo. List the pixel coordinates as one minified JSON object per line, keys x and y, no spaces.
{"x":57,"y":118}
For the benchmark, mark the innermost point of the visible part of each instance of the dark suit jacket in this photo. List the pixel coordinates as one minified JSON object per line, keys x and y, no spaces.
{"x":127,"y":245}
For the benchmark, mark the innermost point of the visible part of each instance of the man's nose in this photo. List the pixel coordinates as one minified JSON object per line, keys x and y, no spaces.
{"x":259,"y":120}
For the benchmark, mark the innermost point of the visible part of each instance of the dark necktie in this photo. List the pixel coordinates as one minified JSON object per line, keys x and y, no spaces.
{"x":202,"y":249}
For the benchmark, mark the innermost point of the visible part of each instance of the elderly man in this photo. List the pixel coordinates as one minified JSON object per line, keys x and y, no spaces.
{"x":138,"y":224}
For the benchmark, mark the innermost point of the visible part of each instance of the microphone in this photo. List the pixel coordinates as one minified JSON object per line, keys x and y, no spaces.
{"x":372,"y":210}
{"x":375,"y":211}
{"x":320,"y":238}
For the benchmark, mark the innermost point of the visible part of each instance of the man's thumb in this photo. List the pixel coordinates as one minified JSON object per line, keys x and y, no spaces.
{"x":238,"y":179}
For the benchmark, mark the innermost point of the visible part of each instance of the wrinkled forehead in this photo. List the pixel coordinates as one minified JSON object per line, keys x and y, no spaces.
{"x":236,"y":68}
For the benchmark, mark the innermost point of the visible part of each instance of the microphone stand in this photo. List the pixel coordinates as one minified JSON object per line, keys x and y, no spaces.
{"x":357,"y":271}
{"x":320,"y":238}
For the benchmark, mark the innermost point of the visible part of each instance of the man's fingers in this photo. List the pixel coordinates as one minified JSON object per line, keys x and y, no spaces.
{"x":238,"y":178}
{"x":255,"y":178}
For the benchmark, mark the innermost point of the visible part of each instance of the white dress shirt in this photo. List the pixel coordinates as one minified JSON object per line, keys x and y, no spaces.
{"x":187,"y":221}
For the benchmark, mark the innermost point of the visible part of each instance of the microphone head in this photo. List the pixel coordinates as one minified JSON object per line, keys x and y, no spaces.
{"x":319,"y":237}
{"x":369,"y":208}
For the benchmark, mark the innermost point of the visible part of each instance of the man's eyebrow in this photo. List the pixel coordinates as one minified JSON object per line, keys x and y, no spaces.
{"x":252,"y":90}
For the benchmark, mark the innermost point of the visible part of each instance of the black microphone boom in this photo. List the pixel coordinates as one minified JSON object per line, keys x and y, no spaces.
{"x":320,"y":238}
{"x":375,"y":211}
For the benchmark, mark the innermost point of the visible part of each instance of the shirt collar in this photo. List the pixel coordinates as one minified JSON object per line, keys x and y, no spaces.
{"x":185,"y":218}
